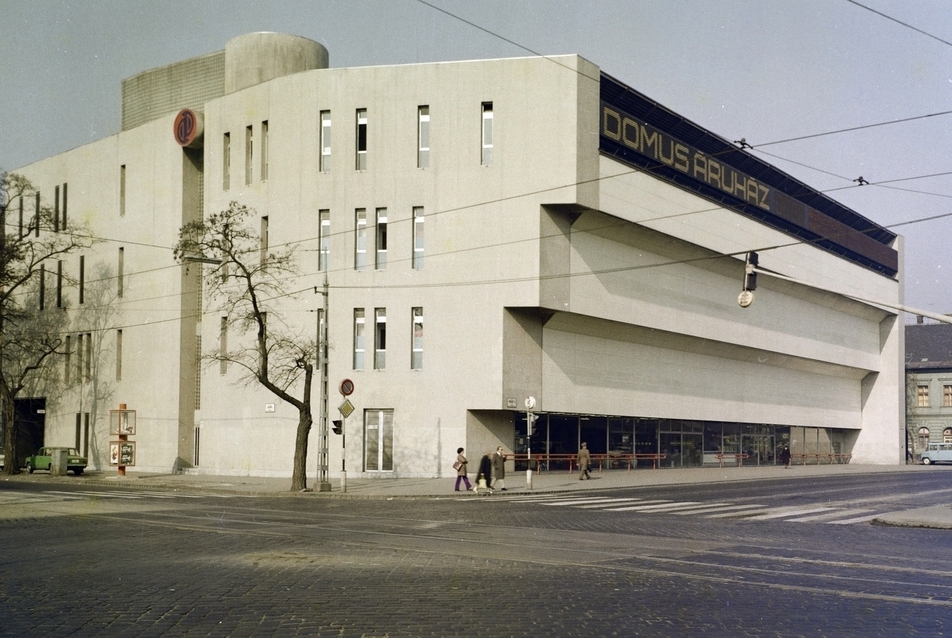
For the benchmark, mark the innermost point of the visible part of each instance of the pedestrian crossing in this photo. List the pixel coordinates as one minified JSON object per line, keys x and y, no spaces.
{"x":829,"y":514}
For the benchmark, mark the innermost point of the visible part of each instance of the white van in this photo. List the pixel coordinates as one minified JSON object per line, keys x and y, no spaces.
{"x":937,"y":453}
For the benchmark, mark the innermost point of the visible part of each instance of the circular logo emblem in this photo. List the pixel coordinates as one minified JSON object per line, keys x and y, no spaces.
{"x":186,"y":127}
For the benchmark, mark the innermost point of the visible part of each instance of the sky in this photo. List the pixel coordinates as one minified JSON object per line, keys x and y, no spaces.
{"x":765,"y":71}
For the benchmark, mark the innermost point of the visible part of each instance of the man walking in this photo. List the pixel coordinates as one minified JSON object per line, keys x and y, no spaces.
{"x":584,"y":460}
{"x":499,"y":469}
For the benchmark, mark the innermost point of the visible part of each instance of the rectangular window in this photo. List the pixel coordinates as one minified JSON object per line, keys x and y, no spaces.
{"x":59,"y":284}
{"x":56,"y":217}
{"x":226,"y":162}
{"x":381,"y":262}
{"x":118,"y":355}
{"x":416,"y":339}
{"x":223,"y":346}
{"x":378,"y":437}
{"x":42,"y":286}
{"x":122,"y":190}
{"x":487,"y":137}
{"x":37,"y":215}
{"x":79,"y":429}
{"x":360,"y":239}
{"x":264,"y":239}
{"x":85,"y":448}
{"x":324,"y":238}
{"x":922,"y":395}
{"x":358,"y":338}
{"x":249,"y":154}
{"x":68,"y":359}
{"x":947,"y":396}
{"x":89,"y":355}
{"x":264,"y":151}
{"x":380,"y":338}
{"x":417,"y":237}
{"x":20,"y":232}
{"x":121,"y":272}
{"x":82,"y":279}
{"x":63,"y":216}
{"x":79,"y":358}
{"x":325,"y":141}
{"x":361,"y":139}
{"x":423,"y":137}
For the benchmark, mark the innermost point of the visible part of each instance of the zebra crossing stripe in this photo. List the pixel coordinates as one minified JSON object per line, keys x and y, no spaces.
{"x":613,"y":501}
{"x":827,"y":515}
{"x":644,"y":505}
{"x":786,"y":512}
{"x":706,"y":508}
{"x":737,"y":511}
{"x":858,"y":519}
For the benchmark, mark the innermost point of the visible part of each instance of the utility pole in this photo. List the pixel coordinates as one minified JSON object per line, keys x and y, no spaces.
{"x":323,"y":478}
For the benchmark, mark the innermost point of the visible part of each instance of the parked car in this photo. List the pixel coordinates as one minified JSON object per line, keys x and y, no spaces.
{"x":43,"y":460}
{"x":937,"y":453}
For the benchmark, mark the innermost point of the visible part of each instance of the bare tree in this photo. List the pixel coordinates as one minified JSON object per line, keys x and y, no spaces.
{"x":247,"y":284}
{"x":30,"y":333}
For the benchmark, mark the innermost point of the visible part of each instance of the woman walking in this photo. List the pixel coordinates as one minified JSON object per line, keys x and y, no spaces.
{"x":460,"y":467}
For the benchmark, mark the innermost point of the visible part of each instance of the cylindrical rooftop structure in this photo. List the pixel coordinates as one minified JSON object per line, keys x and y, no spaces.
{"x":254,"y":58}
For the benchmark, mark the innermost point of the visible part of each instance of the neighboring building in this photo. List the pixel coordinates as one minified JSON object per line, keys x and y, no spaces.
{"x":583,"y":245}
{"x":928,"y":385}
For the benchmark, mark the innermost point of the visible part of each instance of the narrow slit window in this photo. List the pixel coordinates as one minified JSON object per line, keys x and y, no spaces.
{"x":324,"y":237}
{"x":487,"y":136}
{"x":416,"y":354}
{"x":325,"y":141}
{"x":122,"y":190}
{"x":121,"y":272}
{"x":361,"y":139}
{"x":358,"y":339}
{"x":249,"y":154}
{"x":380,"y":338}
{"x":360,"y":239}
{"x":226,"y":162}
{"x":118,"y":355}
{"x":423,"y":137}
{"x":417,"y":237}
{"x":381,"y":262}
{"x":42,"y":286}
{"x":264,"y":151}
{"x":82,"y":279}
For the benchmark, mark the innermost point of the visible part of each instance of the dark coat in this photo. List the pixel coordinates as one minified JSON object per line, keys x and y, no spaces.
{"x":499,"y":466}
{"x":485,"y":469}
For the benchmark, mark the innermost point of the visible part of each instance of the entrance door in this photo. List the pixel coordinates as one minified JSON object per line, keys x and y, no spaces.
{"x":378,"y":440}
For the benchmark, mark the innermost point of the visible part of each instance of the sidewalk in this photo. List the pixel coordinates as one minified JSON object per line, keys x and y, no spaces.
{"x":546,"y":482}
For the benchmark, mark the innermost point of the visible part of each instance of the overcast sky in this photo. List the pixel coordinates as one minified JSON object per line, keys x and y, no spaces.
{"x":762,"y":70}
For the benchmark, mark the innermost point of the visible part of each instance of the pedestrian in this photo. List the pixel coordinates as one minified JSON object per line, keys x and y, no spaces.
{"x":460,"y":467}
{"x":785,"y":457}
{"x":499,"y":469}
{"x":584,"y":460}
{"x":485,"y":476}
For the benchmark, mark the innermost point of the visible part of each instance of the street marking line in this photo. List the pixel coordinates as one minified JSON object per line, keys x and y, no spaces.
{"x":602,"y":505}
{"x":827,"y":515}
{"x":738,"y":511}
{"x":858,"y":519}
{"x":788,"y":512}
{"x":649,"y":509}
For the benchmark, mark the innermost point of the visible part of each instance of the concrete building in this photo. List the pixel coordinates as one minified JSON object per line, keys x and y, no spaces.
{"x":928,"y":385}
{"x":583,"y":246}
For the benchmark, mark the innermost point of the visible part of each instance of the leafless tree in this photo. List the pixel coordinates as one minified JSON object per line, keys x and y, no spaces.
{"x":247,"y":283}
{"x":31,"y":334}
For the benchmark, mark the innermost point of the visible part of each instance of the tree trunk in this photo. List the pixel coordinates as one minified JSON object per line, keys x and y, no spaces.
{"x":9,"y":437}
{"x":299,"y":477}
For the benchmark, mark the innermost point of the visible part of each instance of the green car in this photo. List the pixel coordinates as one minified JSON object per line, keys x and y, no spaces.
{"x":43,"y":460}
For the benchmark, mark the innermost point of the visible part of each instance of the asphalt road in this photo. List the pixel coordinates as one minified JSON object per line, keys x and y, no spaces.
{"x":758,"y":558}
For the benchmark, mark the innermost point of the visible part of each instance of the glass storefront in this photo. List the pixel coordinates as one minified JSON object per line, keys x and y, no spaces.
{"x":642,"y":442}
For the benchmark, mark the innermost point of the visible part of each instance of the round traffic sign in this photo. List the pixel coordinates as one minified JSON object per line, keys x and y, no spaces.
{"x":346,"y":387}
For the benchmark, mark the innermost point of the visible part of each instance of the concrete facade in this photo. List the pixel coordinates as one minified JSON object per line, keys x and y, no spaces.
{"x":556,"y":271}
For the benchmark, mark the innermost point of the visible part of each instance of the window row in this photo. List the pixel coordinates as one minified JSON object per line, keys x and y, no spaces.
{"x":251,"y":159}
{"x":362,"y":235}
{"x":80,"y":354}
{"x":63,"y":279}
{"x":379,"y":343}
{"x":423,"y":138}
{"x":922,"y":396}
{"x":57,"y":220}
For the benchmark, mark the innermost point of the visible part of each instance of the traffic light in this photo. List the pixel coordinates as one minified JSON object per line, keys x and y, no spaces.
{"x":750,"y":274}
{"x":338,"y":427}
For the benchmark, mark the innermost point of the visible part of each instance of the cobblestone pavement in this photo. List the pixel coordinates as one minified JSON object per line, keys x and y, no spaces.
{"x":154,"y":564}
